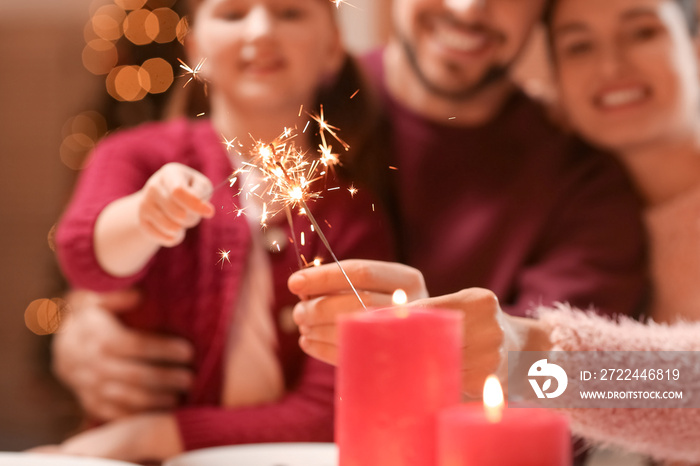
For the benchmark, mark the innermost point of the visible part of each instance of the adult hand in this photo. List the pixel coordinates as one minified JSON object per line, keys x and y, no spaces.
{"x":113,"y":370}
{"x":326,"y":294}
{"x":484,"y":334}
{"x":173,"y":200}
{"x":488,"y":335}
{"x":143,"y":437}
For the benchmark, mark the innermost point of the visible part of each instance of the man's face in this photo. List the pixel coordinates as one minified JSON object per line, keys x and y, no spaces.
{"x":459,"y":47}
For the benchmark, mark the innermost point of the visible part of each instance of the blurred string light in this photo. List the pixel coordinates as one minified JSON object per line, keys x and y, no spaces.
{"x":80,"y":134}
{"x":141,"y":22}
{"x":44,"y":316}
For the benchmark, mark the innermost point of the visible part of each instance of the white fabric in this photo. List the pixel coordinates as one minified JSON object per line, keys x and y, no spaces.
{"x":253,"y":374}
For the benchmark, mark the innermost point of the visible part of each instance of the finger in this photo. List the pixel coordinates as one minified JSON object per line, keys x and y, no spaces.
{"x":156,"y":213}
{"x":148,"y":375}
{"x":327,"y":334}
{"x":101,"y":409}
{"x":135,"y":399}
{"x":160,"y":196}
{"x":374,"y":276}
{"x":475,"y":302}
{"x":326,"y":309}
{"x":321,"y":351}
{"x":45,"y":449}
{"x":162,"y":238}
{"x":118,"y":301}
{"x":151,"y":347}
{"x":191,"y":201}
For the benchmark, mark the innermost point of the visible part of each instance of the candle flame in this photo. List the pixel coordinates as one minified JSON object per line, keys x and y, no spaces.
{"x":493,"y":399}
{"x":399,"y":297}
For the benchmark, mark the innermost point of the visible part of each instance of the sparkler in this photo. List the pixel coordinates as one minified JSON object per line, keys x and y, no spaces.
{"x":281,"y":176}
{"x":193,"y":73}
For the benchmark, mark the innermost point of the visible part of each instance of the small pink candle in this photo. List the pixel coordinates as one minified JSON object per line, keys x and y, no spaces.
{"x":397,"y":368}
{"x":476,"y":434}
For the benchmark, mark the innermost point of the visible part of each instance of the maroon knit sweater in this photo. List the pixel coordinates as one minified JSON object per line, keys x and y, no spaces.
{"x":514,"y":205}
{"x":188,"y":294}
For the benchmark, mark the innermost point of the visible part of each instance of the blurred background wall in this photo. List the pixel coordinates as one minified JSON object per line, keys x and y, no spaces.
{"x":42,"y":84}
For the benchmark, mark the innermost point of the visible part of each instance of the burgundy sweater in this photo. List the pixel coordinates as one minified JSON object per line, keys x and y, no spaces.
{"x":513,"y":205}
{"x":189,"y":294}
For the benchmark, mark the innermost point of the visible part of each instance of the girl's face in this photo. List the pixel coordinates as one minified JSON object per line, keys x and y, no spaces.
{"x":628,"y":70}
{"x":265,"y":53}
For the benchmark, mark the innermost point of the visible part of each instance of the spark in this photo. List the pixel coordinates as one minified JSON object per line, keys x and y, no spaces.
{"x":303,"y":239}
{"x":201,"y":114}
{"x":328,"y":158}
{"x":325,"y":127}
{"x":224,"y":257}
{"x":354,"y":93}
{"x":229,"y":143}
{"x":193,"y":73}
{"x":317,"y":262}
{"x":285,"y":178}
{"x":353,"y":190}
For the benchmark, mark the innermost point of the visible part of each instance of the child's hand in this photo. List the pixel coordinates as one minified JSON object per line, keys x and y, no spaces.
{"x":174,"y":199}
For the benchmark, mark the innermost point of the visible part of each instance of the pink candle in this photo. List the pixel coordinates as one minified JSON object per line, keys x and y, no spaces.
{"x":522,"y":437}
{"x":397,"y":368}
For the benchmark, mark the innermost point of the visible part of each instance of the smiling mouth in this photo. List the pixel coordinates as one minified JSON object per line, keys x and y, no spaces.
{"x":622,"y":98}
{"x":462,"y":38}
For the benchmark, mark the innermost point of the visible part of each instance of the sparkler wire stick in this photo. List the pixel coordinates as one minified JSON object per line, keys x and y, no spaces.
{"x":288,"y":212}
{"x":320,"y":234}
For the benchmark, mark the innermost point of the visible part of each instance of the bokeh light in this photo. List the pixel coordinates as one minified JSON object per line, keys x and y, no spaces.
{"x":167,"y":25}
{"x":130,"y":4}
{"x":123,"y":84}
{"x":160,"y":3}
{"x":141,"y":27}
{"x":107,"y":22}
{"x":80,"y":134}
{"x":43,"y":316}
{"x":100,"y":56}
{"x":156,"y":75}
{"x":51,"y":237}
{"x":89,"y":123}
{"x":74,"y":150}
{"x":183,"y":27}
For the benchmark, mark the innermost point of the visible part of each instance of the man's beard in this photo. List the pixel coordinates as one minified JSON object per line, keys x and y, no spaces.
{"x":493,"y":75}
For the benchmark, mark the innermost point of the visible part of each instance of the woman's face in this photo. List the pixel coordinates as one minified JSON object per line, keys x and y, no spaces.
{"x":265,"y":53}
{"x":628,"y":70}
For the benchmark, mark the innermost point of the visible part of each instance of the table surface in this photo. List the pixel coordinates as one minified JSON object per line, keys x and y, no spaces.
{"x":37,"y":459}
{"x":264,"y":454}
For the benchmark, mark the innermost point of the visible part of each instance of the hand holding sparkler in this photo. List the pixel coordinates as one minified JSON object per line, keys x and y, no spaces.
{"x":328,"y":295}
{"x":172,"y":201}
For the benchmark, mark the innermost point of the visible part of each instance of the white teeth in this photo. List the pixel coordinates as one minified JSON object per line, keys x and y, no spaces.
{"x":619,"y":98}
{"x":461,"y":41}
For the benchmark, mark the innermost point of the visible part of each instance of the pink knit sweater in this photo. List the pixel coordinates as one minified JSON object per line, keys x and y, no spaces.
{"x":188,"y":291}
{"x":665,"y":434}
